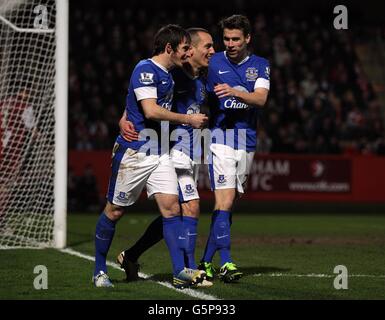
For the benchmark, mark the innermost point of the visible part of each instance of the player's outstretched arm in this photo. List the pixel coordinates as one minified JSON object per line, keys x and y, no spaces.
{"x":127,"y":129}
{"x":155,"y":112}
{"x":257,"y":98}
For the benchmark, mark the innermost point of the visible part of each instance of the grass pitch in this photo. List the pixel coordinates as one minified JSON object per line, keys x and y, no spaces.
{"x":283,"y":257}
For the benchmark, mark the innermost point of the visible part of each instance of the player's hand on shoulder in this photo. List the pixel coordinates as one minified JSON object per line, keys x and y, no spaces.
{"x":127,"y":130}
{"x":198,"y":120}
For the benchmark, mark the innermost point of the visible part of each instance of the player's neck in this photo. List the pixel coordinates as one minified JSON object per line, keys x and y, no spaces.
{"x":191,"y":70}
{"x":163,"y":60}
{"x":240,"y":58}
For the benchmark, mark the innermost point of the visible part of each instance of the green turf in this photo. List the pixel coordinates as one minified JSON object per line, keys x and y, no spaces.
{"x":262,"y":245}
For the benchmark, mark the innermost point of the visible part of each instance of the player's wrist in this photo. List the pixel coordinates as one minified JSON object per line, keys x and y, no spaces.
{"x":236,"y":94}
{"x":186,"y":119}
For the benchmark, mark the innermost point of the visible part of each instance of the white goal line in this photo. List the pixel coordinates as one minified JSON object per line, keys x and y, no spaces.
{"x":315,"y":275}
{"x":190,"y":292}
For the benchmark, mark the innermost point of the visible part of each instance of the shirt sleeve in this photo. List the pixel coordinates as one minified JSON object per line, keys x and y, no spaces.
{"x":263,"y":80}
{"x":145,"y":82}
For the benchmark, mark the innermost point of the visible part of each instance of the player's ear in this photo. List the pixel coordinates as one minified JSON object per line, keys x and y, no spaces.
{"x":191,"y":51}
{"x":248,"y":38}
{"x":168,"y":48}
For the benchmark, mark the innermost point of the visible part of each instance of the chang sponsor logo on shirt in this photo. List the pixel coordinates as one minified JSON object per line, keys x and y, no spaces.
{"x":233,"y":103}
{"x":167,"y":104}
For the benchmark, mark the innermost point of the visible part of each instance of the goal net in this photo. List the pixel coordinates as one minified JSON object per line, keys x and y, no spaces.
{"x":28,"y":107}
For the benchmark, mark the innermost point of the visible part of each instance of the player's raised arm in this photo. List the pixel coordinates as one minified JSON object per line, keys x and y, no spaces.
{"x":152,"y":111}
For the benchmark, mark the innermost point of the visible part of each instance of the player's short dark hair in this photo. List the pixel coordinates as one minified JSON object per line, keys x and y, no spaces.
{"x":194,"y":33}
{"x":172,"y":34}
{"x":236,"y":21}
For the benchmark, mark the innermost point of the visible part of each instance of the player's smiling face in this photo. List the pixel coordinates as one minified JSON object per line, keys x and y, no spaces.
{"x":236,"y":44}
{"x":182,"y":53}
{"x":203,"y":50}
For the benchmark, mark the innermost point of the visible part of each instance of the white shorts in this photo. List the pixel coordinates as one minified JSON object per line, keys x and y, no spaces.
{"x":229,"y":168}
{"x":187,"y":173}
{"x":132,"y":171}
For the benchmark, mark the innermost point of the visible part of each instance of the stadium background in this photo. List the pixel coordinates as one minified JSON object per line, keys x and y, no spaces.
{"x":321,"y":137}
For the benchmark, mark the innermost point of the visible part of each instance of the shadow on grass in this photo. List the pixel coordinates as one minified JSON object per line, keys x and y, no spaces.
{"x":161,"y":277}
{"x":123,"y":280}
{"x":248,"y":271}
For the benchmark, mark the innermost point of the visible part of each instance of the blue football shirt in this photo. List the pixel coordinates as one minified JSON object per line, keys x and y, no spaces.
{"x":189,"y":95}
{"x":229,"y":113}
{"x":149,"y":80}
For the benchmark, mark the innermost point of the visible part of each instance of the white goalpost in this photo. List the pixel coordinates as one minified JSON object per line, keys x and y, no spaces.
{"x":60,"y":215}
{"x":33,"y":123}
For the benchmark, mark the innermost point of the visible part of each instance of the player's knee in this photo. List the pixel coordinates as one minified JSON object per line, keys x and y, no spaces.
{"x":191,"y":209}
{"x":224,"y":204}
{"x":171,"y":209}
{"x":175,"y":208}
{"x":113,"y":212}
{"x":224,"y":199}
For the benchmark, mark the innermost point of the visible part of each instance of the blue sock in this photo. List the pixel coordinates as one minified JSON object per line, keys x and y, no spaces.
{"x":173,"y":235}
{"x":190,"y":229}
{"x":211,"y":245}
{"x":222,"y":235}
{"x":105,"y":229}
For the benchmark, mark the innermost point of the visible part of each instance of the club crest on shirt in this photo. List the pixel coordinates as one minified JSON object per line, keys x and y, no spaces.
{"x":193,"y":108}
{"x":251,"y":74}
{"x":146,"y":78}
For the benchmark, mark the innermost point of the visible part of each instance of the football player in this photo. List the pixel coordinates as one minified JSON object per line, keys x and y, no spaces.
{"x":142,"y":162}
{"x":189,"y":97}
{"x":238,"y":83}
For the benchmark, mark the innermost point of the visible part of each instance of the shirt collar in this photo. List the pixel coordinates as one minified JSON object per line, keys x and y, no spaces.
{"x":159,"y":65}
{"x":238,"y":64}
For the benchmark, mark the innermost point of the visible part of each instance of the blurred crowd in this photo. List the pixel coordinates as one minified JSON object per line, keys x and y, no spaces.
{"x":321,"y":101}
{"x":82,"y":191}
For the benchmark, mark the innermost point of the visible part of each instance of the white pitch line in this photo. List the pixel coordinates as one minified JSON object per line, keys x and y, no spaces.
{"x":22,"y":248}
{"x":190,"y":292}
{"x":315,"y":275}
